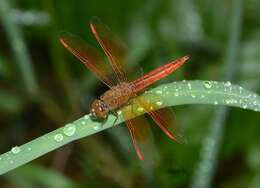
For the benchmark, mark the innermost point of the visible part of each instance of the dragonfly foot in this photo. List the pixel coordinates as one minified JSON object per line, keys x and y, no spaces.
{"x":116,"y":115}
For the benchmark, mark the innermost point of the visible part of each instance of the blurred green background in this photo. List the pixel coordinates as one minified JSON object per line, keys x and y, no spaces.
{"x":43,"y":87}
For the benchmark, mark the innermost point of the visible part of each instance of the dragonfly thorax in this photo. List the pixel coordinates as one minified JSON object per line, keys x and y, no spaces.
{"x":99,"y":109}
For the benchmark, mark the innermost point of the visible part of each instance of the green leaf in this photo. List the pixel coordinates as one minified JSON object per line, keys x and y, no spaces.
{"x":172,"y":94}
{"x":33,"y":175}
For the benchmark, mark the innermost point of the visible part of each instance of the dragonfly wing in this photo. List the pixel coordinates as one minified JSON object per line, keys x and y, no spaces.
{"x":114,"y":49}
{"x":141,"y":136}
{"x":88,"y":56}
{"x":164,"y":118}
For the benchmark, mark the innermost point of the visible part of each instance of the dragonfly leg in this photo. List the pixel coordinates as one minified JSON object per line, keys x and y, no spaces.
{"x":116,"y":115}
{"x":133,"y":108}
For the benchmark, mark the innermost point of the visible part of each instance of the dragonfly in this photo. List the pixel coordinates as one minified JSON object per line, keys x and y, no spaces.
{"x":121,"y":91}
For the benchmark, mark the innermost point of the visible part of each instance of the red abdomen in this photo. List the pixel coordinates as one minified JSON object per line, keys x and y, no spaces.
{"x":148,"y":79}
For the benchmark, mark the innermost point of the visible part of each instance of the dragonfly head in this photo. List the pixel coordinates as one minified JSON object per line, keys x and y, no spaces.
{"x":99,"y":109}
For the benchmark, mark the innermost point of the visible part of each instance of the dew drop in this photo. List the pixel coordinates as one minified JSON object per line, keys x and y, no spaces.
{"x":227,"y":84}
{"x":240,"y":89}
{"x":215,"y":102}
{"x":159,"y":92}
{"x":96,"y":128}
{"x":193,"y":96}
{"x":58,"y":137}
{"x":159,"y":103}
{"x":15,"y":150}
{"x":189,"y":85}
{"x":86,"y":117}
{"x":176,"y":94}
{"x":29,"y":149}
{"x":83,"y":123}
{"x":207,"y":84}
{"x":69,"y":129}
{"x":119,"y":112}
{"x":244,"y":106}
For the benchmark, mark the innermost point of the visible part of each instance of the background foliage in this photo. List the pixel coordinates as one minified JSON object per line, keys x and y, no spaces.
{"x":43,"y":87}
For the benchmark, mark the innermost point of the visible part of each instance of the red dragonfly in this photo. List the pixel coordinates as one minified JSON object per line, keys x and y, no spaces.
{"x":121,"y":91}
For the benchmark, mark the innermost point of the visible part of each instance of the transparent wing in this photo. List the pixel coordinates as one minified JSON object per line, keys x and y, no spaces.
{"x":114,"y":49}
{"x":141,"y":135}
{"x":164,"y":118}
{"x":88,"y":56}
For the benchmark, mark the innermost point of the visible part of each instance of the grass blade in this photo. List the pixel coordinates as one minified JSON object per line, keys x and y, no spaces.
{"x":172,"y":94}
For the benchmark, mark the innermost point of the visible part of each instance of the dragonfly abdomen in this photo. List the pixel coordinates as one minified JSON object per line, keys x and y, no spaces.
{"x":157,"y":74}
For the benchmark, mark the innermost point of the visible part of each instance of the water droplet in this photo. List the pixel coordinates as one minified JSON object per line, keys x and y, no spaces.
{"x":83,"y":123}
{"x":58,"y":137}
{"x":189,"y":85}
{"x":202,"y":96}
{"x":183,"y":81}
{"x":159,"y":103}
{"x":15,"y":150}
{"x":96,"y":127}
{"x":207,"y":84}
{"x":29,"y":149}
{"x":140,"y":109}
{"x":176,"y":94}
{"x":86,"y":117}
{"x":244,"y":106}
{"x":215,"y":102}
{"x":69,"y":129}
{"x":119,"y":112}
{"x":159,"y":92}
{"x":240,"y":89}
{"x":227,"y":84}
{"x":193,"y":96}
